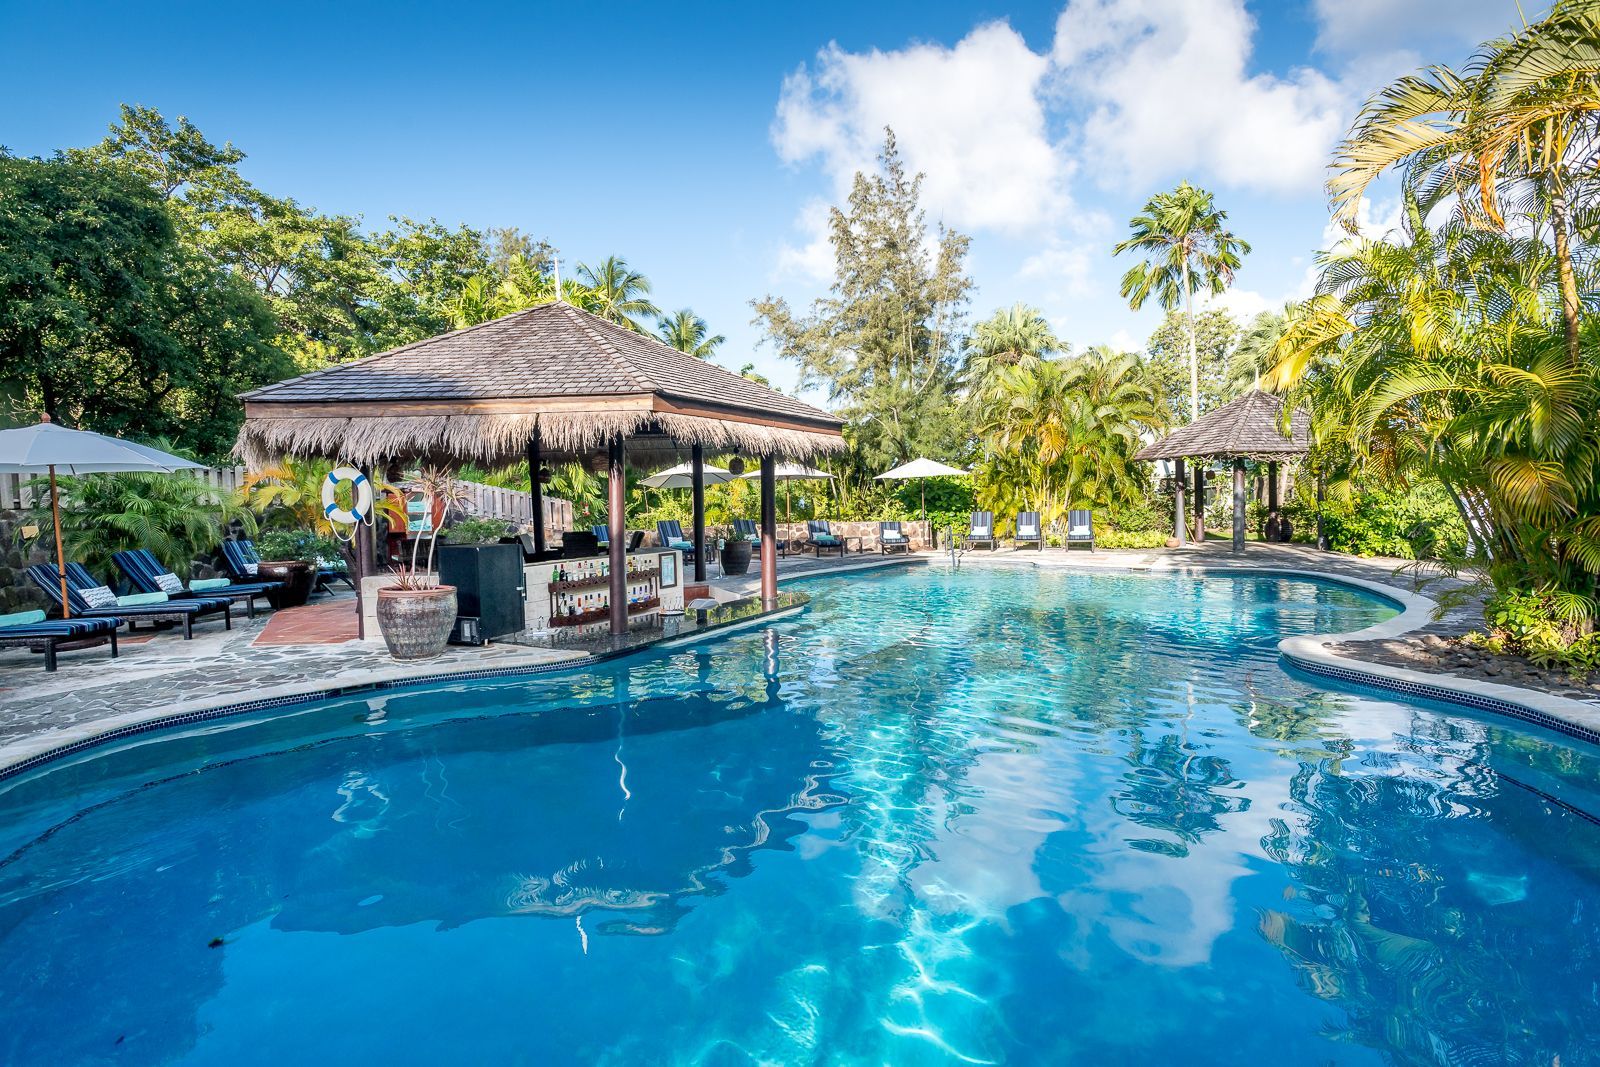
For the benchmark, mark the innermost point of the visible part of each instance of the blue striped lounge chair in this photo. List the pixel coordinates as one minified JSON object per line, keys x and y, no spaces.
{"x":91,"y":600}
{"x":747,"y":530}
{"x":146,"y":574}
{"x":1028,"y":531}
{"x":820,"y":538}
{"x":669,"y":532}
{"x":1080,"y":528}
{"x":980,"y":531}
{"x":32,"y":629}
{"x":243,"y":559}
{"x":892,"y":539}
{"x":602,"y":535}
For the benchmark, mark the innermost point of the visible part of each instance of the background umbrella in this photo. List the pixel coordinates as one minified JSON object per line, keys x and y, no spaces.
{"x":682,"y":477}
{"x":56,"y":449}
{"x":920,"y":469}
{"x":791,"y":472}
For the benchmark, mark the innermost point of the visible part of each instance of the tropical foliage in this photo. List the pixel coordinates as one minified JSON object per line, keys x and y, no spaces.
{"x":1185,"y":247}
{"x":1462,"y":350}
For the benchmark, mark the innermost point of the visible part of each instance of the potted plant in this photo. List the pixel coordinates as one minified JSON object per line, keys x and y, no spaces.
{"x":291,"y":557}
{"x":416,"y":613}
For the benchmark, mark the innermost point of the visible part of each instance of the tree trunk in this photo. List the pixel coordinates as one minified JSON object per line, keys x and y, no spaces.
{"x":1194,"y":357}
{"x":1560,"y":222}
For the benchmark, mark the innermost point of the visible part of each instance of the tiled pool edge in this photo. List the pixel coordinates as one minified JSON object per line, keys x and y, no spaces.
{"x":16,"y":759}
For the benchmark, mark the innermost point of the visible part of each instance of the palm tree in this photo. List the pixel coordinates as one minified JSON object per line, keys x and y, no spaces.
{"x":1186,"y":247}
{"x":621,"y":293}
{"x":1013,"y":336}
{"x":1518,"y":122}
{"x":686,"y":331}
{"x":1252,"y":358}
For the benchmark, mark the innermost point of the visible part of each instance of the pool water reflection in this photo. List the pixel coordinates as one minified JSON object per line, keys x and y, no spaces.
{"x":995,"y":816}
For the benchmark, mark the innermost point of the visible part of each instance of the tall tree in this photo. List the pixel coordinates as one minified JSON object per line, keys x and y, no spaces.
{"x":1015,"y":336}
{"x":107,"y":320}
{"x":687,"y":332}
{"x":882,"y":343}
{"x":1186,"y":247}
{"x":1517,"y":124}
{"x":1211,"y":336}
{"x":620,"y":293}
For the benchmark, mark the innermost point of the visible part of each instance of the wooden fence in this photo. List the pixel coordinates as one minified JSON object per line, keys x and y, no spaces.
{"x":489,"y":501}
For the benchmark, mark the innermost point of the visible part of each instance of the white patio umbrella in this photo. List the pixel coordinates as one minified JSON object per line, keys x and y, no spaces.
{"x":58,"y":450}
{"x":920,"y":469}
{"x":791,"y":472}
{"x":682,"y":477}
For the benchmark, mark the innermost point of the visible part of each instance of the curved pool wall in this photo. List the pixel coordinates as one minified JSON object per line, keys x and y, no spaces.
{"x":998,"y":817}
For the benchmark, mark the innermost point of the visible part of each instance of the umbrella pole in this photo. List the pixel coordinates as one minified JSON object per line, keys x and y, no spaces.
{"x":61,"y":556}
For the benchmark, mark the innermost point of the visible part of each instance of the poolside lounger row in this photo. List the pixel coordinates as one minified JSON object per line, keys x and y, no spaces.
{"x":91,"y":600}
{"x":1029,"y":532}
{"x":146,"y":574}
{"x":33,"y":630}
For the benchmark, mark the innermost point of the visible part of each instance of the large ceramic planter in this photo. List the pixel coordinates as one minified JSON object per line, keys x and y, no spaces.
{"x":736,"y":557}
{"x":298,"y":578}
{"x":416,"y":623}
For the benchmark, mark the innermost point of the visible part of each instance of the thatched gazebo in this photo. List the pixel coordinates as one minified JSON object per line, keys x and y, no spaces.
{"x":1248,"y":428}
{"x":549,"y":382}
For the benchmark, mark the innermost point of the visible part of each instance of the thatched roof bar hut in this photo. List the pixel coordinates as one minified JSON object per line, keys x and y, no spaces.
{"x":1249,"y":427}
{"x":550,"y":381}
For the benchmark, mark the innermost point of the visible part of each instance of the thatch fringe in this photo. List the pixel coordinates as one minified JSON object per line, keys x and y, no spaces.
{"x":498,"y":438}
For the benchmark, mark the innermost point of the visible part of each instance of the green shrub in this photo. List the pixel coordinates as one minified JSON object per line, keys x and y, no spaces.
{"x":1419,"y":522}
{"x":476,"y":531}
{"x":295,"y":544}
{"x":1130,"y":539}
{"x":1534,"y":625}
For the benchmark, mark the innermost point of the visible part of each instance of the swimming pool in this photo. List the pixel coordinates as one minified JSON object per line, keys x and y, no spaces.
{"x":994,"y":816}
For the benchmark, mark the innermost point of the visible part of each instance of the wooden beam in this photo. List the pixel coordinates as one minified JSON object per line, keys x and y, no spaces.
{"x":697,"y":508}
{"x":769,"y":531}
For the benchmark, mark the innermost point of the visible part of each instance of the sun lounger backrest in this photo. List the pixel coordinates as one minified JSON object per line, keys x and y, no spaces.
{"x":982,"y":523}
{"x":1080,"y":523}
{"x":1028,"y":525}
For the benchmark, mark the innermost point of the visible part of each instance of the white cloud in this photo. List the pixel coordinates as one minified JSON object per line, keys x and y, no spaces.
{"x":969,"y":117}
{"x":1066,"y":270}
{"x":1373,"y":26}
{"x":813,"y":260}
{"x":1166,"y":92}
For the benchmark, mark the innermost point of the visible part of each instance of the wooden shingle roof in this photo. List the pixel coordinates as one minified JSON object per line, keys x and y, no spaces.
{"x":553,"y":350}
{"x":1250,"y":426}
{"x":570,"y":378}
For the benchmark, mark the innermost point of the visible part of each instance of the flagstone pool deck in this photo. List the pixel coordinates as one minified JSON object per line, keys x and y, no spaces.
{"x":284,"y":656}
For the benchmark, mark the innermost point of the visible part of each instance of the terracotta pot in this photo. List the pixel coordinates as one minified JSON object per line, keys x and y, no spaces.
{"x":298,"y":578}
{"x":416,"y":623}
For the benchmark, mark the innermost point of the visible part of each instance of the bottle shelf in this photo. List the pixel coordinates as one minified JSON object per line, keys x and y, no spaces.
{"x":604,"y":614}
{"x":602,"y":580}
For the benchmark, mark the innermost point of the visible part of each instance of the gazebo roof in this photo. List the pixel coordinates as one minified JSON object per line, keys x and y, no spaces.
{"x":1250,"y":426}
{"x":479,"y":393}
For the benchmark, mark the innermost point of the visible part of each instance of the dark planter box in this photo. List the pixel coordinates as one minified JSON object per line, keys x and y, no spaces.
{"x":489,"y":582}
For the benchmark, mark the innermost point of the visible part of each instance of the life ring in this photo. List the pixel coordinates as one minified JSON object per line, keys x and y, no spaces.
{"x":361,"y":491}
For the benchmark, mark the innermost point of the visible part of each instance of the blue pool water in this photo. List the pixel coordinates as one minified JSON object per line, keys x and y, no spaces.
{"x":999,"y":816}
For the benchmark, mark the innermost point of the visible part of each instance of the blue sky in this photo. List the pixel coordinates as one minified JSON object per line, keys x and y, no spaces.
{"x":704,"y":143}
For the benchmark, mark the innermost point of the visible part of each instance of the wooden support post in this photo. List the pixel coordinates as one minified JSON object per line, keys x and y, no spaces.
{"x":1274,"y":520}
{"x":1238,"y":504}
{"x":697,"y":507}
{"x":61,"y":556}
{"x":536,"y":492}
{"x":1180,"y":521}
{"x":769,"y":531}
{"x":1200,"y":502}
{"x":1322,"y":533}
{"x":362,"y":540}
{"x":617,"y":525}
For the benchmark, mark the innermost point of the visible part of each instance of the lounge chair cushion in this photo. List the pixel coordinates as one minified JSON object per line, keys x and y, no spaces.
{"x":204,"y":585}
{"x":134,"y":600}
{"x":682,"y":546}
{"x":1027,"y":530}
{"x":98,"y":596}
{"x":1078,"y":531}
{"x":825,"y":539}
{"x":250,"y":569}
{"x":169,"y":583}
{"x":22,"y":618}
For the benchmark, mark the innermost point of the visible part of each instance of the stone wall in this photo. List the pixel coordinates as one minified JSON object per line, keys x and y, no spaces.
{"x":17,"y":593}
